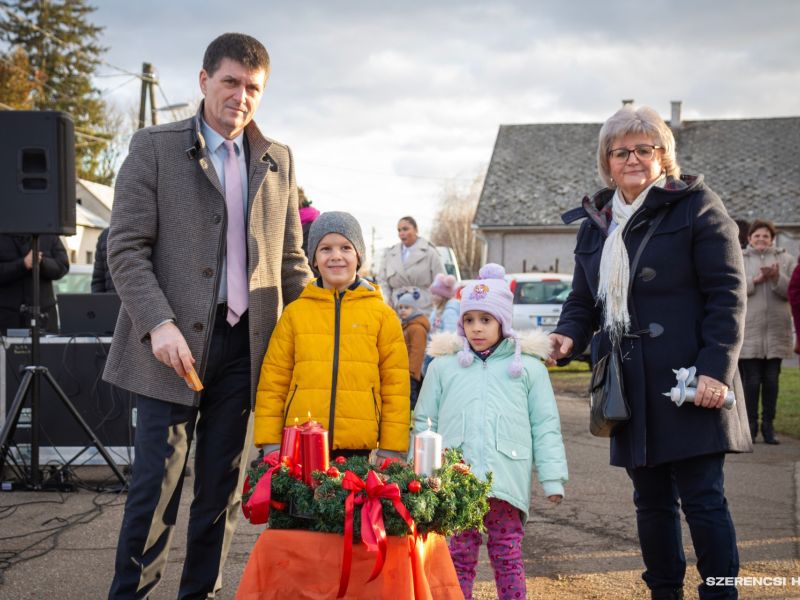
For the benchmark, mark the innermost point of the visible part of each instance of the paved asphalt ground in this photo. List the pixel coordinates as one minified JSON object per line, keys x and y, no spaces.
{"x":62,"y":545}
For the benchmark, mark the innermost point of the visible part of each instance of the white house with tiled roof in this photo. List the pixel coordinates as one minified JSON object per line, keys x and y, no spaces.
{"x":92,"y":215}
{"x":538,"y":171}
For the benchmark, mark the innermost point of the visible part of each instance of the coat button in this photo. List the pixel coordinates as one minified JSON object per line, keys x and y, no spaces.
{"x":217,"y":219}
{"x":197,"y":326}
{"x":513,"y":453}
{"x":647,"y":274}
{"x":208,"y":272}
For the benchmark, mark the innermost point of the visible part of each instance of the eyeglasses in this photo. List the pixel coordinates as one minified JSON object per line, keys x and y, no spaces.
{"x":643,"y":151}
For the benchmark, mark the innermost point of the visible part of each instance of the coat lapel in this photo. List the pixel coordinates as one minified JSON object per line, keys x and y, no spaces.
{"x":261,"y":163}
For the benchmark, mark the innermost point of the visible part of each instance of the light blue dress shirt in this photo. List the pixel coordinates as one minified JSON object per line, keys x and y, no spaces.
{"x":217,"y":155}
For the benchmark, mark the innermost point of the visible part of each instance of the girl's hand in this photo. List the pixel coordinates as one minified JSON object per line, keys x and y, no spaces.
{"x":555,"y":498}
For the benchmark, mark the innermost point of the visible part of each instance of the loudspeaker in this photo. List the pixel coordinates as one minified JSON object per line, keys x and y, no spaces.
{"x":37,"y":172}
{"x":77,"y":365}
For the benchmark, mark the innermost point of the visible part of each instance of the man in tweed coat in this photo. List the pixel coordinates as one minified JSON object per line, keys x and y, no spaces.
{"x":170,"y":254}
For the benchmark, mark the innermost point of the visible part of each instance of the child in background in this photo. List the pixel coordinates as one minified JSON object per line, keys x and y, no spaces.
{"x":488,"y":392}
{"x":445,"y":312}
{"x":415,"y":332}
{"x":337,"y":353}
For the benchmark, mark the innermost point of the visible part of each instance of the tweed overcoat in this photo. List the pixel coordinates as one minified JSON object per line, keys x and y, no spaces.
{"x":413,"y":276}
{"x":687,"y":306}
{"x":768,"y":326}
{"x":167,"y":243}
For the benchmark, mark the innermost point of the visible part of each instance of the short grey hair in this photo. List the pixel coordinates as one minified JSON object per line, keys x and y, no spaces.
{"x":629,"y":120}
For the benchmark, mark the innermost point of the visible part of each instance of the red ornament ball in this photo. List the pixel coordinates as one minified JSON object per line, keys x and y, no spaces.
{"x":414,"y":487}
{"x":340,"y":460}
{"x":332,"y":472}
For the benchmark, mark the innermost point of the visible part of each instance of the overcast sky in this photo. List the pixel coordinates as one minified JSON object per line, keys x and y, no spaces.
{"x":387,"y":103}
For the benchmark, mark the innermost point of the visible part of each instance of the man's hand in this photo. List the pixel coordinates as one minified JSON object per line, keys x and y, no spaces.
{"x":170,"y":347}
{"x":562,"y":347}
{"x":28,"y":260}
{"x":710,"y":392}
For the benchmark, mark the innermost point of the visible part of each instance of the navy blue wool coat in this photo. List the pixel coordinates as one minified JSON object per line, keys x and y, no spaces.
{"x":687,"y":307}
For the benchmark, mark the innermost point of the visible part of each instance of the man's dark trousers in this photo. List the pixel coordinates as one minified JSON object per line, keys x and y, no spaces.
{"x":164,"y":434}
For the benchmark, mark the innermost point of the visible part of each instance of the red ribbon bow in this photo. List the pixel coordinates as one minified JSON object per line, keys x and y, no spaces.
{"x":373,"y":532}
{"x":256,"y":509}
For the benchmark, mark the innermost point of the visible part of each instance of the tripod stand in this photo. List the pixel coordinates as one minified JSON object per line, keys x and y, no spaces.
{"x":30,"y":385}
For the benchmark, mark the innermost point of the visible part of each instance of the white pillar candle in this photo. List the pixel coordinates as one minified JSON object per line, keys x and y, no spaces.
{"x":427,"y":452}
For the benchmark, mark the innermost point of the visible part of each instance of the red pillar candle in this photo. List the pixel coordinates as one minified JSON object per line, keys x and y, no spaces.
{"x":314,"y":441}
{"x":290,"y":443}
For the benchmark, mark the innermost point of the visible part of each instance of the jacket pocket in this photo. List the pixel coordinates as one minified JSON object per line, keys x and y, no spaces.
{"x":289,"y":404}
{"x":512,"y":449}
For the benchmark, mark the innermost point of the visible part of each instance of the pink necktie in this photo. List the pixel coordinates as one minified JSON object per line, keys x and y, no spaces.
{"x":236,"y":239}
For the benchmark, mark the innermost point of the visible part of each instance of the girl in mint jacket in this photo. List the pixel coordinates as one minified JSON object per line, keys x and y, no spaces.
{"x":488,"y":392}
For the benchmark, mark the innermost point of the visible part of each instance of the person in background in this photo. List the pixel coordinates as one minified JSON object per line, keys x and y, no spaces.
{"x":337,"y":354}
{"x":793,"y":293}
{"x":16,"y":280}
{"x":205,"y":252}
{"x":308,"y":215}
{"x":445,"y":312}
{"x":415,"y":332}
{"x":683,"y":307}
{"x":767,"y":327}
{"x":409,"y":267}
{"x":101,"y":275}
{"x":488,"y":392}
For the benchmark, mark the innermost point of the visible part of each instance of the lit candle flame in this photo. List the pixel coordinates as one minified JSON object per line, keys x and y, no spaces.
{"x":296,"y":420}
{"x":309,"y":415}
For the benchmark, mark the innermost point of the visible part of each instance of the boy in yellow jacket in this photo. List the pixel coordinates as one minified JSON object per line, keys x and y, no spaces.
{"x":338,"y":354}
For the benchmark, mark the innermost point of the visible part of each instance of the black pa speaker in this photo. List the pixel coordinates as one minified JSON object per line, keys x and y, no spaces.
{"x":37,"y":172}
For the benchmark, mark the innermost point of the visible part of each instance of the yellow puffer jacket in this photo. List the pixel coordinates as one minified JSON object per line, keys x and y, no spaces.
{"x":341,"y":358}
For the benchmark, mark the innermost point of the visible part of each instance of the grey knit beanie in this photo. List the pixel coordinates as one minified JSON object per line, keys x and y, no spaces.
{"x":342,"y":223}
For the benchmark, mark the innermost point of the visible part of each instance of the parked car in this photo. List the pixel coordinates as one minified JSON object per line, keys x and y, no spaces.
{"x":449,"y":261}
{"x":77,"y":281}
{"x":538,"y":298}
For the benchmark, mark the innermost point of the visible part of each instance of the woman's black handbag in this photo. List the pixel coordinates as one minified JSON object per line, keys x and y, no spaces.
{"x":609,"y":408}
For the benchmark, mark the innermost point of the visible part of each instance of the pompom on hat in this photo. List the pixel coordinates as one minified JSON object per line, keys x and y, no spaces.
{"x":491,"y":294}
{"x":443,"y":285}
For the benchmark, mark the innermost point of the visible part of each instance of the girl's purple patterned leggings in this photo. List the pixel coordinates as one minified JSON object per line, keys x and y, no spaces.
{"x":504,"y":526}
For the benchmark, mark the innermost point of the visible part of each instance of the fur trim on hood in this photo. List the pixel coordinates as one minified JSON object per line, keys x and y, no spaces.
{"x":534,"y":342}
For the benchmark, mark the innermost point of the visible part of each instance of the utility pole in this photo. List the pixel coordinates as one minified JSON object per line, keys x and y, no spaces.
{"x":148,"y":85}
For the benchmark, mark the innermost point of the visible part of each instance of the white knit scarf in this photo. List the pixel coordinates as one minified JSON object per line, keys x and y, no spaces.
{"x":615,"y":266}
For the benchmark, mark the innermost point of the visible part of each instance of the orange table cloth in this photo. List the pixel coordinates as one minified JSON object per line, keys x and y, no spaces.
{"x":307,"y":565}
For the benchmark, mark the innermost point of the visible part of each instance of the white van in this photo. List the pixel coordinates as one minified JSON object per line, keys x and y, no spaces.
{"x":450,"y":261}
{"x":538,"y":298}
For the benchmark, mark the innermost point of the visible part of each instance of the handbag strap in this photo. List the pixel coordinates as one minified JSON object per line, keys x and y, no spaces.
{"x":648,"y":234}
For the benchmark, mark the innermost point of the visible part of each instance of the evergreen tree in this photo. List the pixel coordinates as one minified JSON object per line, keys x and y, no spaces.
{"x":18,"y":84}
{"x":62,"y":45}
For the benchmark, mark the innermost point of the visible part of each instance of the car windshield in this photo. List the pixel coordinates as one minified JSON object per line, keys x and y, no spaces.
{"x":542,"y":292}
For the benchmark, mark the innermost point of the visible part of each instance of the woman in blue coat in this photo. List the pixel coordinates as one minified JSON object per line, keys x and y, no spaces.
{"x":685,"y":308}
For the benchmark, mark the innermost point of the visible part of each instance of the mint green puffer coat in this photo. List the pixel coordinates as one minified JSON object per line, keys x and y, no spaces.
{"x":504,"y":425}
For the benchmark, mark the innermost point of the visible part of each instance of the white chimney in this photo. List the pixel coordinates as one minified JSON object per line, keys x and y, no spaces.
{"x":627,"y":102}
{"x":675,"y":122}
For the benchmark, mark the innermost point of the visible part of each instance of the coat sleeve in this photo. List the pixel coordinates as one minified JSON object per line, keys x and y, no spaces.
{"x":295,"y":272}
{"x":383,"y":278}
{"x":428,"y":402}
{"x":580,"y":314}
{"x":418,"y":339}
{"x":780,"y":287}
{"x":718,"y":264}
{"x":55,"y":262}
{"x":436,"y":264}
{"x":793,"y":293}
{"x":450,"y":317}
{"x":273,"y":383}
{"x":133,"y":236}
{"x":100,"y":264}
{"x":548,"y":445}
{"x":395,"y":384}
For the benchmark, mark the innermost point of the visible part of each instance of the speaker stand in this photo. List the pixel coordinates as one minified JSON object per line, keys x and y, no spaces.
{"x":30,"y":385}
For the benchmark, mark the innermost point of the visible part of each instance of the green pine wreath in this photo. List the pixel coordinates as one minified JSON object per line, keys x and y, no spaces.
{"x":450,"y":501}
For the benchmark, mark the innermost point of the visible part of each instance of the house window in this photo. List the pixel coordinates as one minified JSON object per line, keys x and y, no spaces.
{"x":89,"y":257}
{"x":73,"y":256}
